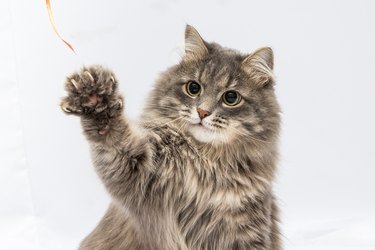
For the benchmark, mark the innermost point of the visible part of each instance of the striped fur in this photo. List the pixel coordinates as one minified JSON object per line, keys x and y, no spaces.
{"x":170,"y":190}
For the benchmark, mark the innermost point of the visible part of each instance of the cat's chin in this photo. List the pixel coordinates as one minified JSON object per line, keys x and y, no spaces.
{"x":203,"y":134}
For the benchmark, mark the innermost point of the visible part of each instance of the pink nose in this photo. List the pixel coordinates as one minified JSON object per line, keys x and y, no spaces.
{"x":202,"y":113}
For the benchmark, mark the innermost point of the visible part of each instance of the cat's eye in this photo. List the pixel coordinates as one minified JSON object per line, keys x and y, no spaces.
{"x":193,"y":88}
{"x":231,"y":98}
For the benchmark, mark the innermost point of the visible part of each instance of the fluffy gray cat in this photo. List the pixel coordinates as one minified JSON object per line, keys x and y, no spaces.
{"x":197,"y":171}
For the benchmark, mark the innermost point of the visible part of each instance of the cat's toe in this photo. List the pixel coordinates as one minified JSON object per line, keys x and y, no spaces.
{"x":67,"y":105}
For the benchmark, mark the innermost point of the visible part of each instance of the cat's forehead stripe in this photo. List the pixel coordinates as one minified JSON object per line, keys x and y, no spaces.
{"x":212,"y":74}
{"x":232,"y":84}
{"x":201,"y":71}
{"x":223,"y":77}
{"x":197,"y":74}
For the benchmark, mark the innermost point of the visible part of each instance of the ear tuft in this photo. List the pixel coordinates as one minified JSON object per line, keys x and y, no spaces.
{"x":195,"y":47}
{"x":259,"y":66}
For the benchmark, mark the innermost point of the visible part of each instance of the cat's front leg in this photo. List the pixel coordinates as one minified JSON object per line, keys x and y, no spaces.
{"x":122,"y":157}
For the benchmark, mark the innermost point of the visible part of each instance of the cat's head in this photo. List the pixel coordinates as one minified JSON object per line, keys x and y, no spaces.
{"x":218,"y":95}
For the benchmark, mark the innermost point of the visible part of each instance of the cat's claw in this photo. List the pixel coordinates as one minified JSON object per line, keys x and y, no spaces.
{"x":91,"y":91}
{"x":65,"y":109}
{"x":75,"y":84}
{"x":120,"y":103}
{"x":89,"y":75}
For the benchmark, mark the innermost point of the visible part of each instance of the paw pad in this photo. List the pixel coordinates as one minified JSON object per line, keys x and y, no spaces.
{"x":93,"y":101}
{"x":103,"y":131}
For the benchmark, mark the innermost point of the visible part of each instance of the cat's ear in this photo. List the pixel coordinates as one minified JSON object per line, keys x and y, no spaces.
{"x":259,"y":66}
{"x":195,"y":47}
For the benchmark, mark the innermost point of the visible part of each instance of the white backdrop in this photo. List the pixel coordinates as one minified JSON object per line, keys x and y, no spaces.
{"x":50,"y":197}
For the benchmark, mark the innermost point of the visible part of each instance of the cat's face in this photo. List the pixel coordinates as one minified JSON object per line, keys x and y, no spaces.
{"x":218,"y":95}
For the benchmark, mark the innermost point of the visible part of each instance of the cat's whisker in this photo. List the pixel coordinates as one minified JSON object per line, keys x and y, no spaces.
{"x":238,"y":132}
{"x":167,"y":108}
{"x":153,"y":121}
{"x":158,"y":106}
{"x":182,"y":126}
{"x":169,"y":122}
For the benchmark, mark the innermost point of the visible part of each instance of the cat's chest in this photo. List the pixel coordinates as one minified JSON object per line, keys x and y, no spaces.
{"x":216,"y":186}
{"x":213,"y":206}
{"x":203,"y":180}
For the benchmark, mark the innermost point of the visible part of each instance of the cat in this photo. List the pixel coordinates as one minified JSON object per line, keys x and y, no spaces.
{"x":196,"y":172}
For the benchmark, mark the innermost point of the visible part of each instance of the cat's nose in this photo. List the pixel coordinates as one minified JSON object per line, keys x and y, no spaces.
{"x":202,"y":113}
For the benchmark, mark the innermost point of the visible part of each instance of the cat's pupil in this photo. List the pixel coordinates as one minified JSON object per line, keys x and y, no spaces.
{"x":194,"y":88}
{"x":231,"y":97}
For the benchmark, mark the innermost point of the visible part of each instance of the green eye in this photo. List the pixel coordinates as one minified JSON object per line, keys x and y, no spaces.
{"x":193,"y":88}
{"x":231,"y":98}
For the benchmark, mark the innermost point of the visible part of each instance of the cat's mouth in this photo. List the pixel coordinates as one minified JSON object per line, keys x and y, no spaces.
{"x":203,"y":132}
{"x":201,"y":125}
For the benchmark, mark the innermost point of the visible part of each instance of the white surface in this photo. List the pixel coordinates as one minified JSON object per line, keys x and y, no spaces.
{"x":50,"y":197}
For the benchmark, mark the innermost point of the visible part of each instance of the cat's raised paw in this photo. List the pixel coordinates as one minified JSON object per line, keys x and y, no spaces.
{"x":91,"y":90}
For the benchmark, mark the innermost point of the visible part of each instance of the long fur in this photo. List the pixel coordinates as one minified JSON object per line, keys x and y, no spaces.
{"x":169,"y":190}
